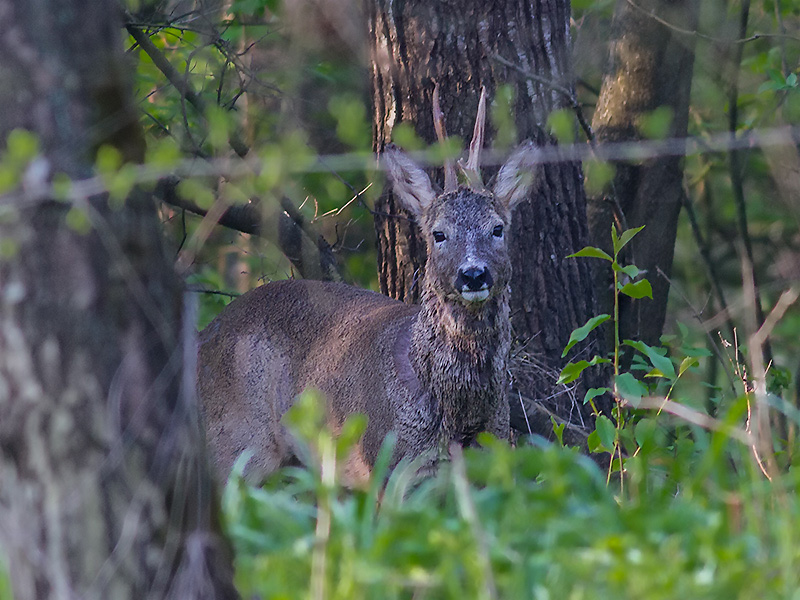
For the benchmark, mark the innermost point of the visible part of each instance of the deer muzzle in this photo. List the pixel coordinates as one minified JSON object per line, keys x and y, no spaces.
{"x":474,"y":283}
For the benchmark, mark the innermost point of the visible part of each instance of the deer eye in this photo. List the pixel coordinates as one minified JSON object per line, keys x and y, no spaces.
{"x":438,"y":236}
{"x":498,"y":231}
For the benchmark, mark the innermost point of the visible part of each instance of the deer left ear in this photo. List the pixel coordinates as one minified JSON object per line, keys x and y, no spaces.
{"x":411,"y":184}
{"x":516,"y":176}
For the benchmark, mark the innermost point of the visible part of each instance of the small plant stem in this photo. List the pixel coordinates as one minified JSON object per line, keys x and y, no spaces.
{"x":617,"y":449}
{"x":322,"y":532}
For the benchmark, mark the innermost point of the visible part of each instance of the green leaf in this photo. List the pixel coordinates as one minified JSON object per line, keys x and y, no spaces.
{"x":656,"y":125}
{"x":591,"y":252}
{"x":22,"y":145}
{"x":687,"y":363}
{"x":581,"y":332}
{"x":630,"y":270}
{"x":108,"y":160}
{"x":594,"y":444}
{"x":593,"y":393}
{"x":662,"y":363}
{"x":596,"y":175}
{"x":8,"y":249}
{"x":645,"y":432}
{"x":562,"y":125}
{"x":638,"y":289}
{"x":406,"y":137}
{"x":621,"y":241}
{"x":606,"y":432}
{"x":164,"y":153}
{"x":655,"y":373}
{"x":78,"y":221}
{"x":197,"y":192}
{"x":558,"y":430}
{"x":572,"y":371}
{"x":697,"y":352}
{"x":791,"y":80}
{"x":629,"y":388}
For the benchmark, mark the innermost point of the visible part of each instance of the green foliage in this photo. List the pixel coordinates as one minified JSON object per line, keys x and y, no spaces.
{"x":5,"y":581}
{"x":581,"y":332}
{"x":657,"y":124}
{"x":597,"y":174}
{"x":696,"y":520}
{"x":502,"y":116}
{"x":562,"y":125}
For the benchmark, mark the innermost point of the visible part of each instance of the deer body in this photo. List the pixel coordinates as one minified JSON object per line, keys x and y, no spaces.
{"x":433,"y":374}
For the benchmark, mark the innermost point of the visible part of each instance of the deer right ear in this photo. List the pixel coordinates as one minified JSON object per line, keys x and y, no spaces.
{"x":410,"y":183}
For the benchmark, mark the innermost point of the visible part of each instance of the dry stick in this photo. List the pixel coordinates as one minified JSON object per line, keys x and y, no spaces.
{"x":692,"y":416}
{"x":290,"y":224}
{"x":759,"y":411}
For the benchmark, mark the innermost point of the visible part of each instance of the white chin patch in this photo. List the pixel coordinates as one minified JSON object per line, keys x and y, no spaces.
{"x":478,"y":296}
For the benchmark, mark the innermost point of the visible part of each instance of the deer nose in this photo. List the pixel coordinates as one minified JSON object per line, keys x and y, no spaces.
{"x":473,"y":279}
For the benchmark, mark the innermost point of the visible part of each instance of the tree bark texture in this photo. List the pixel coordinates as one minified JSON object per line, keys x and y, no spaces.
{"x":461,"y":47}
{"x":651,"y":66}
{"x":104,"y":488}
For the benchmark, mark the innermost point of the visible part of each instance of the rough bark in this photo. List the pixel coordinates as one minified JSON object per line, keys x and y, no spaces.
{"x":418,"y":44}
{"x":104,"y":488}
{"x":650,"y":67}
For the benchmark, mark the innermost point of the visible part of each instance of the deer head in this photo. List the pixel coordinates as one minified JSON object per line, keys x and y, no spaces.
{"x":465,"y":226}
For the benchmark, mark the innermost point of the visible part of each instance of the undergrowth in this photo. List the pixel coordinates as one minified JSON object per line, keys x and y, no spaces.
{"x":696,"y":519}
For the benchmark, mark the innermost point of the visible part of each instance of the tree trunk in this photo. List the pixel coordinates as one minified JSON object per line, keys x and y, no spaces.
{"x":651,"y":67}
{"x":462,"y":46}
{"x":104,"y":488}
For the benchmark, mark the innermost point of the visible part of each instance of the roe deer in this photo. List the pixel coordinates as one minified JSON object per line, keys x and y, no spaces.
{"x":433,"y":374}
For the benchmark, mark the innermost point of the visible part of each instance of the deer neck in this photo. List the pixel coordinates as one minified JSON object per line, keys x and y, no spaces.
{"x":459,"y":355}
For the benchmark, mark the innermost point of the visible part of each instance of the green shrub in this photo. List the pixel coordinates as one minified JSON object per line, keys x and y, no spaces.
{"x":696,"y":519}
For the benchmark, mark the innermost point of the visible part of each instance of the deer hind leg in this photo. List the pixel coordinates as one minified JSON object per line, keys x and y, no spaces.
{"x":244,"y":407}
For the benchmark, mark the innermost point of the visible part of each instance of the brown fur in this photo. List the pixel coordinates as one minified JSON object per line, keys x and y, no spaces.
{"x":433,"y":374}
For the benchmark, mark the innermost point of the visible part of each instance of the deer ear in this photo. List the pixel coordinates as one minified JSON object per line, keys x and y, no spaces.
{"x":516,"y":176}
{"x":410,"y":183}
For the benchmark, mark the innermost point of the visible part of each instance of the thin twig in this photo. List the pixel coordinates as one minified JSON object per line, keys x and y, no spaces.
{"x":708,"y":38}
{"x":180,"y":83}
{"x":691,"y":415}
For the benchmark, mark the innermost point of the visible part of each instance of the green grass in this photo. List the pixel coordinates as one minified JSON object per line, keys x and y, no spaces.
{"x":694,"y":518}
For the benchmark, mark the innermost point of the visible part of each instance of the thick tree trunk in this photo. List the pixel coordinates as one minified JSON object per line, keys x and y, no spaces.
{"x":104,"y":489}
{"x":651,"y":67}
{"x":462,"y":46}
